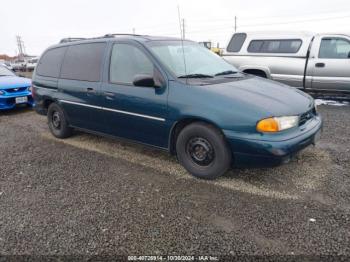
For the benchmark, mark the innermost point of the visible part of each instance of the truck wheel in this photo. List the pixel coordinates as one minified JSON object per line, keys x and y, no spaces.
{"x":203,"y":151}
{"x":57,"y":122}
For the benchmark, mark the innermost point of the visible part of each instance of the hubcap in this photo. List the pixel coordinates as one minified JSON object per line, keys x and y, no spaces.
{"x":200,"y":151}
{"x":56,"y":120}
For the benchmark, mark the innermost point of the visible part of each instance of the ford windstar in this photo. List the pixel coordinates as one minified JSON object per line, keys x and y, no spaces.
{"x":175,"y":95}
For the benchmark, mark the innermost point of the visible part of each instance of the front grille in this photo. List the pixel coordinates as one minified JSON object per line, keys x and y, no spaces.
{"x":307,"y":116}
{"x":15,"y":90}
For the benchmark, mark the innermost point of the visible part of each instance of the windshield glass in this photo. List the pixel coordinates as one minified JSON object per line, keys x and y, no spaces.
{"x":199,"y":60}
{"x":5,"y":72}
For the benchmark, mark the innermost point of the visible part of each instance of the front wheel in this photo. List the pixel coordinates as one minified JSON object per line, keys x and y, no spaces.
{"x":57,"y":122}
{"x":203,"y":151}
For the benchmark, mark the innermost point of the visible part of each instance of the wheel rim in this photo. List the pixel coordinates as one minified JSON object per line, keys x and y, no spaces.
{"x":201,"y":151}
{"x":56,"y":120}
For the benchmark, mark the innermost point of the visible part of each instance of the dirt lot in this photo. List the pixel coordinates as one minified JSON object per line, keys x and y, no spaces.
{"x":91,"y":195}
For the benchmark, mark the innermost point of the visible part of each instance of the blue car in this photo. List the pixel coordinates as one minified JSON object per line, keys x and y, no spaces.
{"x":14,"y":90}
{"x":175,"y":95}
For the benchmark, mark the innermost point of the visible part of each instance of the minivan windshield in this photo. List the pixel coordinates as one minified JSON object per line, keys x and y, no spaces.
{"x":5,"y":72}
{"x":190,"y":60}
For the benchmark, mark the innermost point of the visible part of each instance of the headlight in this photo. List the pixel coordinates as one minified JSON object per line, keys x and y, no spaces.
{"x":276,"y":124}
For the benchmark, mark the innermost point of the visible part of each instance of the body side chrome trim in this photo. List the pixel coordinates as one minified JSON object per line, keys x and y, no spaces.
{"x":113,"y":110}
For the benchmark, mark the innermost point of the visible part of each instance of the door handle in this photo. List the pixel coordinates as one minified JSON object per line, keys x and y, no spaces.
{"x":90,"y":90}
{"x":320,"y":65}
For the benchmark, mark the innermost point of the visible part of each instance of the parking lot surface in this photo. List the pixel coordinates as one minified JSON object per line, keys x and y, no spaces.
{"x":90,"y":195}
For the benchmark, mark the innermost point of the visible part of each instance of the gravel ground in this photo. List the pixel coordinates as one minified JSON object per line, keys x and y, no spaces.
{"x":88,"y":195}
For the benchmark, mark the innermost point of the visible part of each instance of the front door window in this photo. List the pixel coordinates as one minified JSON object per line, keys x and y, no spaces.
{"x":334,"y":48}
{"x":127,"y":61}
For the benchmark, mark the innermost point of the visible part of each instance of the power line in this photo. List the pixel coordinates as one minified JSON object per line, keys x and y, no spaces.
{"x":299,"y":21}
{"x":274,"y":23}
{"x":229,"y":20}
{"x":220,"y":27}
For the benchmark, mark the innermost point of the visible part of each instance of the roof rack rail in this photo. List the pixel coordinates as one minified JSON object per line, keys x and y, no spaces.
{"x":71,"y":39}
{"x":113,"y":35}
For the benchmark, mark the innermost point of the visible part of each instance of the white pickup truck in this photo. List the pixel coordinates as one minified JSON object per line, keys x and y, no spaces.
{"x":314,"y":62}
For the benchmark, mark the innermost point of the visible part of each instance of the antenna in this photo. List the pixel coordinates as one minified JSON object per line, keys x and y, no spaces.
{"x":182,"y":39}
{"x":235,"y":23}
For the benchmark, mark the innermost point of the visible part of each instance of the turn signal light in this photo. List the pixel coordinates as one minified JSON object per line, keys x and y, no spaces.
{"x":268,"y":125}
{"x":276,"y":124}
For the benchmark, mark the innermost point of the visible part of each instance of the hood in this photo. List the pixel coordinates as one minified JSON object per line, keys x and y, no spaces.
{"x":270,"y":97}
{"x":7,"y":82}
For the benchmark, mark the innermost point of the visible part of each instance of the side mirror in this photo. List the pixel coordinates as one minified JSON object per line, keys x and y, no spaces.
{"x":144,"y":81}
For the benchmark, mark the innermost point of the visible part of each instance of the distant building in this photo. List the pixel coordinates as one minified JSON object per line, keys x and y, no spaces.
{"x":7,"y":58}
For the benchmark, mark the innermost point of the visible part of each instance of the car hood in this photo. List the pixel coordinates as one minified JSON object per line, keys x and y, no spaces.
{"x":270,"y":97}
{"x":7,"y":82}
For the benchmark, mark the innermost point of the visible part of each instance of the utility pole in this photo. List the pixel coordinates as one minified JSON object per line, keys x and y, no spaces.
{"x":183,"y":29}
{"x":235,"y":23}
{"x":21,"y":48}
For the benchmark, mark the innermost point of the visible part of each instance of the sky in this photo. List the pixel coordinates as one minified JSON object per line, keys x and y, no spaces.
{"x":42,"y":23}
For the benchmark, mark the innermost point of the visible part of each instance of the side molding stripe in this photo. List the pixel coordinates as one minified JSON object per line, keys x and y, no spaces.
{"x":113,"y":110}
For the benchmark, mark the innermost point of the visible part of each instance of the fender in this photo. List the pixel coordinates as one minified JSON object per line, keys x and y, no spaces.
{"x":265,"y":69}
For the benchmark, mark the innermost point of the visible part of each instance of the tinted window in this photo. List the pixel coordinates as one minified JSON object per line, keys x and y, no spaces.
{"x":255,"y":46}
{"x":50,"y":62}
{"x":236,"y":42}
{"x":334,"y":48}
{"x":127,"y":61}
{"x":274,"y":46}
{"x":83,"y":62}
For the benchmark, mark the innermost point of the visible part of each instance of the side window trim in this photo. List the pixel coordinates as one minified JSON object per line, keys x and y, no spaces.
{"x":272,"y":40}
{"x":331,"y":38}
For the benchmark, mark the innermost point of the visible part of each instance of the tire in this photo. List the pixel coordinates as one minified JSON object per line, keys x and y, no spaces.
{"x":57,"y":122}
{"x":203,"y":151}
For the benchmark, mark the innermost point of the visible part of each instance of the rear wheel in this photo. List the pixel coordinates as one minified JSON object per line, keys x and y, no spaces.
{"x":57,"y":122}
{"x":203,"y":151}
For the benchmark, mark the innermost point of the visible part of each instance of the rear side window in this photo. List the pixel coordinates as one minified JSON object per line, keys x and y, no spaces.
{"x":50,"y":62}
{"x":236,"y":42}
{"x":286,"y":46}
{"x":83,"y":62}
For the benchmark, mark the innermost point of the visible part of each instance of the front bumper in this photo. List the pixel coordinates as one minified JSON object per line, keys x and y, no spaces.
{"x":254,"y":152}
{"x":9,"y":101}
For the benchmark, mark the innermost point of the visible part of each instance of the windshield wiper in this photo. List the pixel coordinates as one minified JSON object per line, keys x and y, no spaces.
{"x":228,"y":72}
{"x":196,"y":76}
